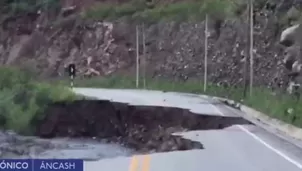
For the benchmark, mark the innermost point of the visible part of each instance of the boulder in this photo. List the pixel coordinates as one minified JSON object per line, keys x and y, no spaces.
{"x":288,"y":36}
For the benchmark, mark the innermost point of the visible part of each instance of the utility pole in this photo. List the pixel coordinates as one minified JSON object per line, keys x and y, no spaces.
{"x":144,"y":56}
{"x":251,"y":47}
{"x":205,"y":55}
{"x":245,"y":70}
{"x":137,"y":56}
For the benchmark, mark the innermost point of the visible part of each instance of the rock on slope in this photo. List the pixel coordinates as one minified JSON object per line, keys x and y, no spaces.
{"x":174,"y":51}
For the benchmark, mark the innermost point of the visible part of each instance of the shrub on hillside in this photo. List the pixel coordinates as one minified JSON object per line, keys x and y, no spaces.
{"x":25,"y":6}
{"x":180,"y":11}
{"x":23,"y":99}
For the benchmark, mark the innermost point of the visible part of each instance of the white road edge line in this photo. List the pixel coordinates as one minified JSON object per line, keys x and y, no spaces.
{"x":263,"y":142}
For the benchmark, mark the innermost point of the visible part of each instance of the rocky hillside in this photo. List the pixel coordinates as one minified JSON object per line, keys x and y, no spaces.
{"x":46,"y":41}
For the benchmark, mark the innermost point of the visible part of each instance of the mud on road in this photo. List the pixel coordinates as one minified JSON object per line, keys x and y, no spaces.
{"x":95,"y":129}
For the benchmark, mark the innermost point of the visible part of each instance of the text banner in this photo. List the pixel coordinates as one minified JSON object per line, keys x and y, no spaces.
{"x":41,"y":165}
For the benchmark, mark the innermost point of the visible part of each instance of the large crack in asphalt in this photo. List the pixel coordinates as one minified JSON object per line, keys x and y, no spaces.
{"x":94,"y":129}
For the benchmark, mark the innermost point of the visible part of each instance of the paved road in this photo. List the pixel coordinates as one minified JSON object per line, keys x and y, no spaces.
{"x":237,"y":148}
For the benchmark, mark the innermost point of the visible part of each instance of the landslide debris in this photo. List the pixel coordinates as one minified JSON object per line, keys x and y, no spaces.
{"x":143,"y":128}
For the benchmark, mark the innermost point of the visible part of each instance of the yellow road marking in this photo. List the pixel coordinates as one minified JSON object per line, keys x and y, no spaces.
{"x":146,"y":163}
{"x":133,"y":163}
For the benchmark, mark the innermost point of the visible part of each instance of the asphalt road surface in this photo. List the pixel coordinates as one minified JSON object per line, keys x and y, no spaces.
{"x":236,"y":148}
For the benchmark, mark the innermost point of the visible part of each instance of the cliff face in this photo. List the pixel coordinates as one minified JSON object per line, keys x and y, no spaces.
{"x":174,"y":51}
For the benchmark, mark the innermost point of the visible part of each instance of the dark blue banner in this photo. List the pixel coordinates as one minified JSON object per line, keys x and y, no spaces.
{"x":58,"y":164}
{"x":16,"y":164}
{"x":41,"y":165}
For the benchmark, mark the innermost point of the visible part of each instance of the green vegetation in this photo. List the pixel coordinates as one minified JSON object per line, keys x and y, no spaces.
{"x":19,"y":7}
{"x":23,"y":99}
{"x":186,"y":10}
{"x":262,"y":99}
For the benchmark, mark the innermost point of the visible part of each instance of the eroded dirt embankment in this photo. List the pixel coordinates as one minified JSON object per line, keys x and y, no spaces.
{"x":143,"y":128}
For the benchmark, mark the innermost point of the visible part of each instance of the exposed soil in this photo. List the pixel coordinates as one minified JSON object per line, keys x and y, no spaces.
{"x":142,"y":128}
{"x":173,"y":51}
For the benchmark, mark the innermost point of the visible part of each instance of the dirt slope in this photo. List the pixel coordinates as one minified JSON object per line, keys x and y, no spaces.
{"x":173,"y":51}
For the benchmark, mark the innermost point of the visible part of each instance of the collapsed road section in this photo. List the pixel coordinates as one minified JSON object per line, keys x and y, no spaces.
{"x":142,"y":128}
